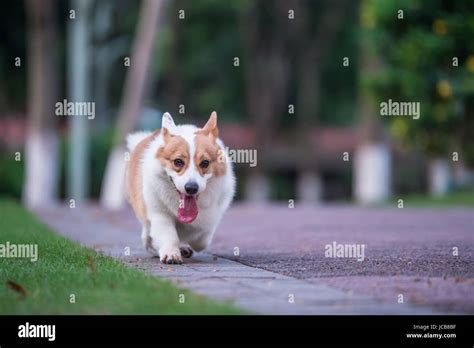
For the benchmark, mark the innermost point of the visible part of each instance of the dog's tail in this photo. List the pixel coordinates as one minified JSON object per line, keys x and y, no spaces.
{"x":134,"y":138}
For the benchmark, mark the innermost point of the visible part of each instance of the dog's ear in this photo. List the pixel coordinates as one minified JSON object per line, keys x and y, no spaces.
{"x":167,"y":126}
{"x":167,"y":122}
{"x":210,"y":128}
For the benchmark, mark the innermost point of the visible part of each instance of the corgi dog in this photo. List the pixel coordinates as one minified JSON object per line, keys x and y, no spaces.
{"x":179,"y":183}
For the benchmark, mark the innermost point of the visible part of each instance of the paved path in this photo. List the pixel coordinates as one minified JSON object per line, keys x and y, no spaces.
{"x":408,"y":251}
{"x":281,"y":258}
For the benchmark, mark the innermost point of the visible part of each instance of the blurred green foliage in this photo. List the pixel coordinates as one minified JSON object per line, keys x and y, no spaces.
{"x":282,"y":186}
{"x":100,"y":146}
{"x":11,"y":175}
{"x":194,"y":63}
{"x":12,"y":45}
{"x":417,"y":58}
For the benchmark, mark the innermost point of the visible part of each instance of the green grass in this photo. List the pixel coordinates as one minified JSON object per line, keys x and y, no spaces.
{"x":454,"y":199}
{"x":100,"y":284}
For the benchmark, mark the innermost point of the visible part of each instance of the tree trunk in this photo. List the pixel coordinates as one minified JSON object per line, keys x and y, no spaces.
{"x":372,"y":178}
{"x":266,"y":77}
{"x":462,"y":175}
{"x":257,"y":188}
{"x":79,"y":87}
{"x":313,"y":48}
{"x":108,"y":47}
{"x":113,"y":195}
{"x":372,"y":167}
{"x":174,"y":81}
{"x":309,"y":187}
{"x":439,"y":177}
{"x":41,"y":146}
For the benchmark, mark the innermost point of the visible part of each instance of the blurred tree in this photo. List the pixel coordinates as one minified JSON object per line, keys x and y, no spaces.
{"x":427,"y":57}
{"x":372,"y":181}
{"x":12,"y":46}
{"x":197,"y":51}
{"x":41,"y":143}
{"x":150,"y":18}
{"x":113,"y":27}
{"x":195,"y":59}
{"x":109,"y":44}
{"x":286,"y":44}
{"x":316,"y":38}
{"x":79,"y":73}
{"x":266,"y":72}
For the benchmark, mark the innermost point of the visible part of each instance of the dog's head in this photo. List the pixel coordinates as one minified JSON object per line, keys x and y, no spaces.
{"x":191,"y":157}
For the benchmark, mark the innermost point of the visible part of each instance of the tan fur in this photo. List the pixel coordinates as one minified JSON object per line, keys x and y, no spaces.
{"x":134,"y":178}
{"x":207,"y":149}
{"x":174,"y":147}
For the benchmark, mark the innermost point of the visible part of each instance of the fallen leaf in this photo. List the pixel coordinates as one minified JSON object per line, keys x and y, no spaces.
{"x":17,"y":288}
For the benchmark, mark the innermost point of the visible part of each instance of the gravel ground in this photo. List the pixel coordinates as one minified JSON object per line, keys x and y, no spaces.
{"x":406,"y":251}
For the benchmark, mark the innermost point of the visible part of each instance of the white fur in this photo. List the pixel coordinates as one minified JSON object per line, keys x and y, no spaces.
{"x":135,"y":138}
{"x":163,"y":234}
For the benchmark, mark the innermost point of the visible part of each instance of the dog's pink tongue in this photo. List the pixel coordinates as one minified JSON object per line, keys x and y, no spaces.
{"x":187,"y":210}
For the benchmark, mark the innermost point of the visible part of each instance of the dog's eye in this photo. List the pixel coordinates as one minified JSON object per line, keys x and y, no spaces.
{"x":204,"y":164}
{"x":179,"y":163}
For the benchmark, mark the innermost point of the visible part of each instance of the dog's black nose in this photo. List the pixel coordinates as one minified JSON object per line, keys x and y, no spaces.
{"x":191,"y":187}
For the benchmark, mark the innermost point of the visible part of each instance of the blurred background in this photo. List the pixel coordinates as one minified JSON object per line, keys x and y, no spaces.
{"x":299,"y":81}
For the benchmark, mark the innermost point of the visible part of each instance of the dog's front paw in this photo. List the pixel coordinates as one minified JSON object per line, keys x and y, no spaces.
{"x":170,"y":255}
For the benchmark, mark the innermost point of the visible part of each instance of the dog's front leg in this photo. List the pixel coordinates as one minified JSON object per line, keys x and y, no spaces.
{"x":165,"y":238}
